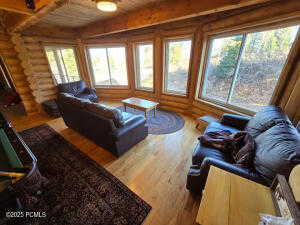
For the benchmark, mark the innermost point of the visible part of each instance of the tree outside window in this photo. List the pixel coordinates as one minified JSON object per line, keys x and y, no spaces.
{"x":242,"y":70}
{"x":63,"y":64}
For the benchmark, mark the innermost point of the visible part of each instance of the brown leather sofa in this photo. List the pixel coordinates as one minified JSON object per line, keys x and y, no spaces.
{"x":108,"y":127}
{"x":277,"y":148}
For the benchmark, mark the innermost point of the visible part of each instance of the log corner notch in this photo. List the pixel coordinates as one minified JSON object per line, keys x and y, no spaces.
{"x":17,"y":23}
{"x":162,"y":12}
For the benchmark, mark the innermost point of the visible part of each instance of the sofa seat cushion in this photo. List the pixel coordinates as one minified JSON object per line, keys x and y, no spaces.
{"x":277,"y":151}
{"x":88,"y":96}
{"x":266,"y":118}
{"x":200,"y":152}
{"x":126,"y":116}
{"x":107,"y":112}
{"x":215,"y":126}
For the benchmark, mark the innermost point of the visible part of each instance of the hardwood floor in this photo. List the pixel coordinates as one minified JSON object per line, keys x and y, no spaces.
{"x":155,"y":169}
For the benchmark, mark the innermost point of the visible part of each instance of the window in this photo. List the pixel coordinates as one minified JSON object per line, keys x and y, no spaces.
{"x":144,"y":66}
{"x":108,"y":66}
{"x":63,"y":64}
{"x":177,"y":63}
{"x":242,"y":70}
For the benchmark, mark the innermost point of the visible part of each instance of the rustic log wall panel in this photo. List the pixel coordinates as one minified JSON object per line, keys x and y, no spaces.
{"x":18,"y":76}
{"x":198,"y":27}
{"x":36,"y":67}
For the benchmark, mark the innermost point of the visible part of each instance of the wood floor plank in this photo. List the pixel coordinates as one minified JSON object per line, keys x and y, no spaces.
{"x":155,"y":169}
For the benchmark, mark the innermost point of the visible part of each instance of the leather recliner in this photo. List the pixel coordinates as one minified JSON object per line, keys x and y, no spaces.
{"x":277,"y":148}
{"x":80,"y":90}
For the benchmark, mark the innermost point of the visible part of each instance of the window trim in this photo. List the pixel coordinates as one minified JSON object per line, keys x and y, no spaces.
{"x":59,"y":46}
{"x":90,"y":68}
{"x":136,"y":75}
{"x":164,"y":69}
{"x":208,"y":36}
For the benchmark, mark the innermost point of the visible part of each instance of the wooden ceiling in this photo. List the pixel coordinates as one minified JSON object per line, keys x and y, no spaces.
{"x":87,"y":21}
{"x":79,"y":13}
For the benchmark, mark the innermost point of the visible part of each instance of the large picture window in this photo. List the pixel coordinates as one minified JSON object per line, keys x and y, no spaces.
{"x":108,"y":66}
{"x":242,"y":70}
{"x":144,"y":66}
{"x":63,"y":63}
{"x":177,"y":64}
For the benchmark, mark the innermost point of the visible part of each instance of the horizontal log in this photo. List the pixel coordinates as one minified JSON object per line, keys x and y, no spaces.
{"x":6,"y":45}
{"x":33,"y":47}
{"x":174,"y":104}
{"x":174,"y":98}
{"x":4,"y":37}
{"x":15,"y":69}
{"x":12,"y":61}
{"x":40,"y":68}
{"x":8,"y":53}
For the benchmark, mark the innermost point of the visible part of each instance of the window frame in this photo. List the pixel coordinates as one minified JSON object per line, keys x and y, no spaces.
{"x":206,"y":47}
{"x":135,"y":60}
{"x":60,"y":46}
{"x":90,"y":67}
{"x":165,"y":61}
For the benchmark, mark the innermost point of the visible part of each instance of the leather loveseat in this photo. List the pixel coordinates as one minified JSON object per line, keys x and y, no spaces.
{"x":108,"y":127}
{"x":277,"y":148}
{"x":79,"y":90}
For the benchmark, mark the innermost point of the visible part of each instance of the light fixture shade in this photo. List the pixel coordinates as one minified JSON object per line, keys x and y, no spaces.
{"x":106,"y":6}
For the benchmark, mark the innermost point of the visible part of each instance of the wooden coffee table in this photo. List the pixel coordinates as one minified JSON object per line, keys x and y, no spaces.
{"x":140,"y":104}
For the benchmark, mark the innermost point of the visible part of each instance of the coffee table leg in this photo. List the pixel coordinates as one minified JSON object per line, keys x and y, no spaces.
{"x":146,"y":114}
{"x":155,"y":112}
{"x":125,"y":108}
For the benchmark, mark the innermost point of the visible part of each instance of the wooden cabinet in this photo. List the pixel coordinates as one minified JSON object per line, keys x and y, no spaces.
{"x":229,"y":199}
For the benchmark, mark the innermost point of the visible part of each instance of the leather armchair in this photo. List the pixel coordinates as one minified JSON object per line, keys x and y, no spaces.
{"x":277,"y":148}
{"x":238,"y":122}
{"x":80,"y":90}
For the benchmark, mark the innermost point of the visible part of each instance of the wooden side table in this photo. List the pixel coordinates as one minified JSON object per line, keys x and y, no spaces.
{"x":229,"y":199}
{"x":203,"y":121}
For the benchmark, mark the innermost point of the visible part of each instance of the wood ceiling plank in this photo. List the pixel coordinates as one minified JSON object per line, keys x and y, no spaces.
{"x":17,"y":6}
{"x":20,"y":22}
{"x":161,"y":12}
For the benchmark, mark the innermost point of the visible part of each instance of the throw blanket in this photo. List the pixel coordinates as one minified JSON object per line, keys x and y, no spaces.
{"x":240,"y":145}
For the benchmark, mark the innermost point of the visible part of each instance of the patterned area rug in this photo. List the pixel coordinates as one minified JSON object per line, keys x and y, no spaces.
{"x":79,"y":191}
{"x":165,"y":122}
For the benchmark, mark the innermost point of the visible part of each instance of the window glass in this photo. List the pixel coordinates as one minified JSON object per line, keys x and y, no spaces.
{"x":63,"y":64}
{"x":243,"y":70}
{"x":222,"y":59}
{"x":108,"y":66}
{"x":144,"y":66}
{"x":178,"y":54}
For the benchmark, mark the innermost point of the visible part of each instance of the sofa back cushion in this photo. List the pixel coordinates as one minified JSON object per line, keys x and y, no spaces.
{"x":277,"y":151}
{"x":107,"y":112}
{"x":74,"y":88}
{"x":69,"y":98}
{"x":266,"y":118}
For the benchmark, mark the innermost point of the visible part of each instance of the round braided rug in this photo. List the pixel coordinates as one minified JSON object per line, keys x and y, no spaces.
{"x":165,"y":122}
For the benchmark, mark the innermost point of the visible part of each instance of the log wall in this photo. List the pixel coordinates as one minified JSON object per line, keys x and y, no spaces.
{"x":36,"y":68}
{"x":18,"y":76}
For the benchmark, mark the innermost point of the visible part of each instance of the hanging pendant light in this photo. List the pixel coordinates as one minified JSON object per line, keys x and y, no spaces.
{"x":106,"y":5}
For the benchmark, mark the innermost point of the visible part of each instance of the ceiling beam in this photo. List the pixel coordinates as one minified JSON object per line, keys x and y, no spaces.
{"x":161,"y":12}
{"x":17,"y":23}
{"x":18,"y":6}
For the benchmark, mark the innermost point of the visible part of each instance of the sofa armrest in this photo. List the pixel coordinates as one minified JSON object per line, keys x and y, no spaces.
{"x":89,"y":90}
{"x":238,"y":122}
{"x":198,"y":174}
{"x":129,"y":125}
